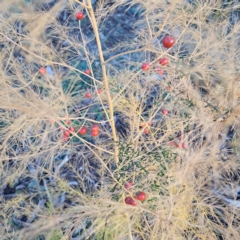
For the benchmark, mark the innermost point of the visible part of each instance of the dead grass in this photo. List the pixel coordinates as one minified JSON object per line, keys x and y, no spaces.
{"x":55,"y":189}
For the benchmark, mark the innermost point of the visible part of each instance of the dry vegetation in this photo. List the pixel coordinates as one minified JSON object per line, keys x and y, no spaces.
{"x":54,"y":189}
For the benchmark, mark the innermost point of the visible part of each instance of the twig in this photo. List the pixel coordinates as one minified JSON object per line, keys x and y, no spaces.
{"x":82,"y":4}
{"x":47,"y":61}
{"x":105,"y":80}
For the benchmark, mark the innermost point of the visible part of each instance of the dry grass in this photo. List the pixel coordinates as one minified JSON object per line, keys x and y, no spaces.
{"x":55,"y":189}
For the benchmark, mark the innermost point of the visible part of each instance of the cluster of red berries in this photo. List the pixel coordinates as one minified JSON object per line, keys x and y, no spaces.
{"x":140,"y":196}
{"x":95,"y":130}
{"x":82,"y":131}
{"x":179,"y":143}
{"x":147,"y":129}
{"x":168,"y":41}
{"x":67,"y":133}
{"x":88,"y":95}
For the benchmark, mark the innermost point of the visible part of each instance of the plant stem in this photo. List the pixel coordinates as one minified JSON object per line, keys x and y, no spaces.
{"x":105,"y":79}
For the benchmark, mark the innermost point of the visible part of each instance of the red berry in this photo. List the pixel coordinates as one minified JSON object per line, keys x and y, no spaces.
{"x":42,"y":70}
{"x":132,"y":202}
{"x":164,"y":112}
{"x":146,"y":131}
{"x":141,"y":196}
{"x":99,"y":91}
{"x":150,"y":123}
{"x":88,"y":95}
{"x":68,"y":121}
{"x":94,"y":128}
{"x":82,"y":131}
{"x":128,"y":200}
{"x":94,"y":133}
{"x":144,"y":124}
{"x":168,"y":41}
{"x":163,"y":61}
{"x":65,"y":138}
{"x":72,"y":129}
{"x":159,"y":70}
{"x":87,"y":72}
{"x":66,"y":133}
{"x":176,"y":144}
{"x":60,"y":128}
{"x":79,"y":15}
{"x":145,"y":66}
{"x":184,"y":145}
{"x":128,"y":185}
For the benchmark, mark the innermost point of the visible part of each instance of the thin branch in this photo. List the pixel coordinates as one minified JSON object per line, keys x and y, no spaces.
{"x":82,"y":4}
{"x":48,"y":61}
{"x":105,"y":79}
